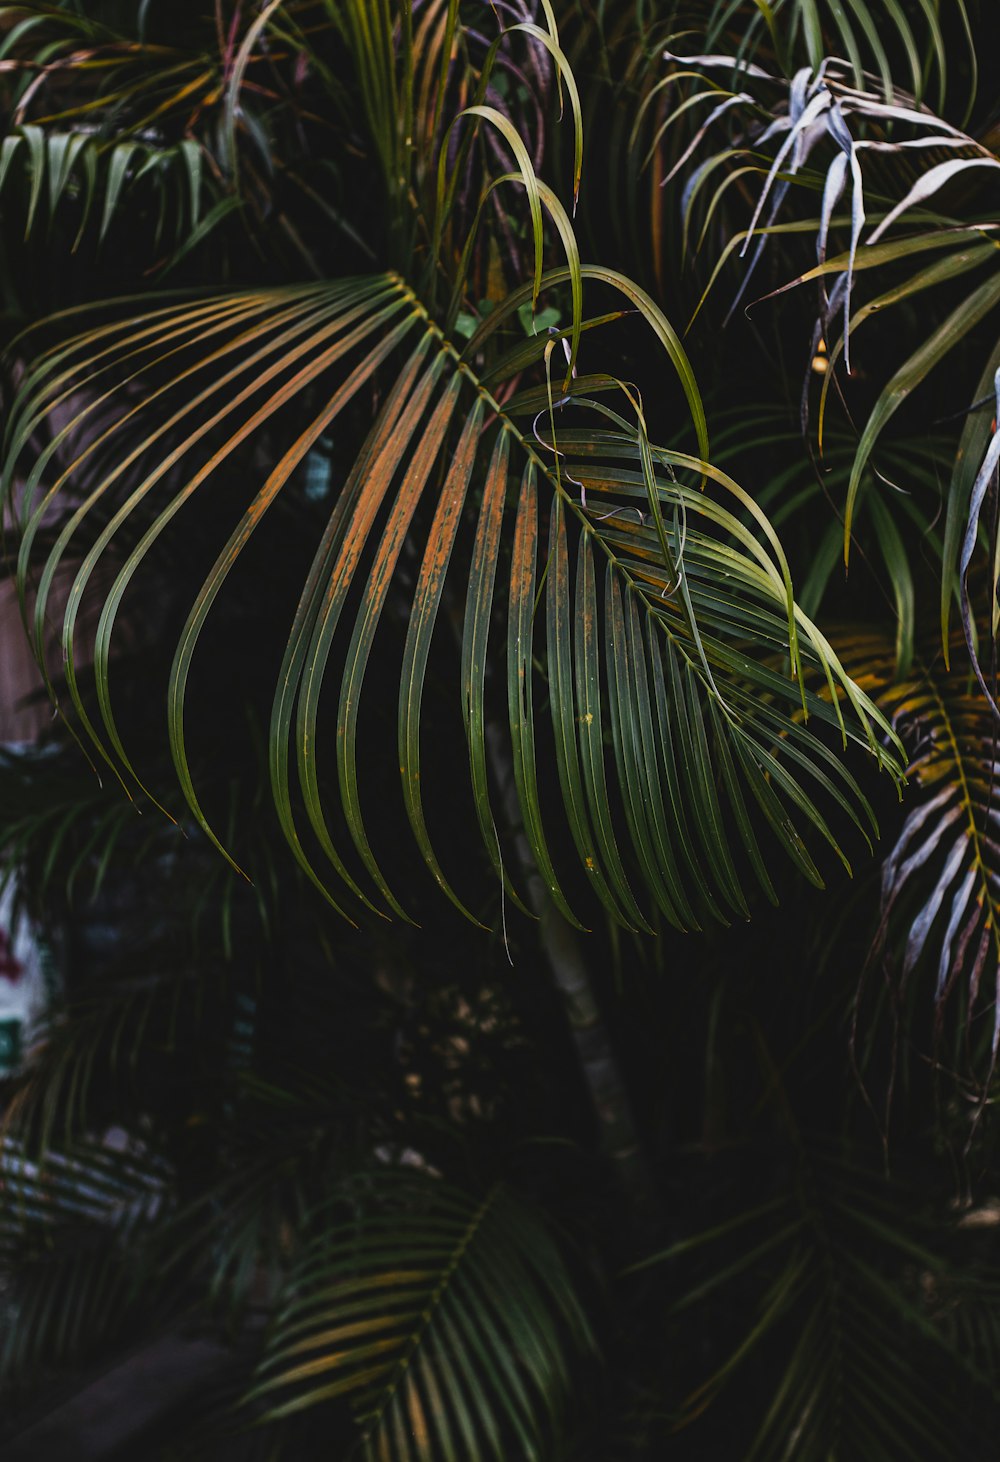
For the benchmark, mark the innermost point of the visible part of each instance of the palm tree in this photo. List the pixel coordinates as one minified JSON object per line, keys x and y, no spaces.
{"x":352,"y":438}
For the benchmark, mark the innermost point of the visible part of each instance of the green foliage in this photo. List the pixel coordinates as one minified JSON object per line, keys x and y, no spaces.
{"x":439,"y":1297}
{"x":854,"y":1292}
{"x":381,"y":533}
{"x":69,"y":1228}
{"x":448,"y":424}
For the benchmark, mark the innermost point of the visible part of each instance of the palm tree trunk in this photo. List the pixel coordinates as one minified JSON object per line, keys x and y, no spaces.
{"x":563,"y":950}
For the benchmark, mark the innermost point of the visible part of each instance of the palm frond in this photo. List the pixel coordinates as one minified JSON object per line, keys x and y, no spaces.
{"x":78,"y":166}
{"x":847,"y":1297}
{"x":868,"y":36}
{"x":940,"y":879}
{"x":672,"y":123}
{"x":686,"y":589}
{"x":448,"y":1322}
{"x":863,"y":133}
{"x":70,"y":1228}
{"x":113,"y":130}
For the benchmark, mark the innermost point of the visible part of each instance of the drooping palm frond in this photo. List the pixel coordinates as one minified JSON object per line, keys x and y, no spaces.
{"x":941,"y":165}
{"x":941,"y":878}
{"x":449,"y":1322}
{"x":661,"y":644}
{"x":694,"y":122}
{"x":61,"y":143}
{"x":840,"y":1296}
{"x":130,"y":127}
{"x":820,"y":106}
{"x":182,"y":392}
{"x":77,"y":166}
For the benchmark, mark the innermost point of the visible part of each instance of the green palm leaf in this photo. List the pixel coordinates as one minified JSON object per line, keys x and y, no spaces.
{"x":448,"y":1322}
{"x":676,"y":704}
{"x":75,"y":165}
{"x":682,"y":587}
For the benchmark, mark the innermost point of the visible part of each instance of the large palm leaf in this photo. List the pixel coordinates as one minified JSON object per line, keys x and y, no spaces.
{"x":671,"y":589}
{"x":687,"y":658}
